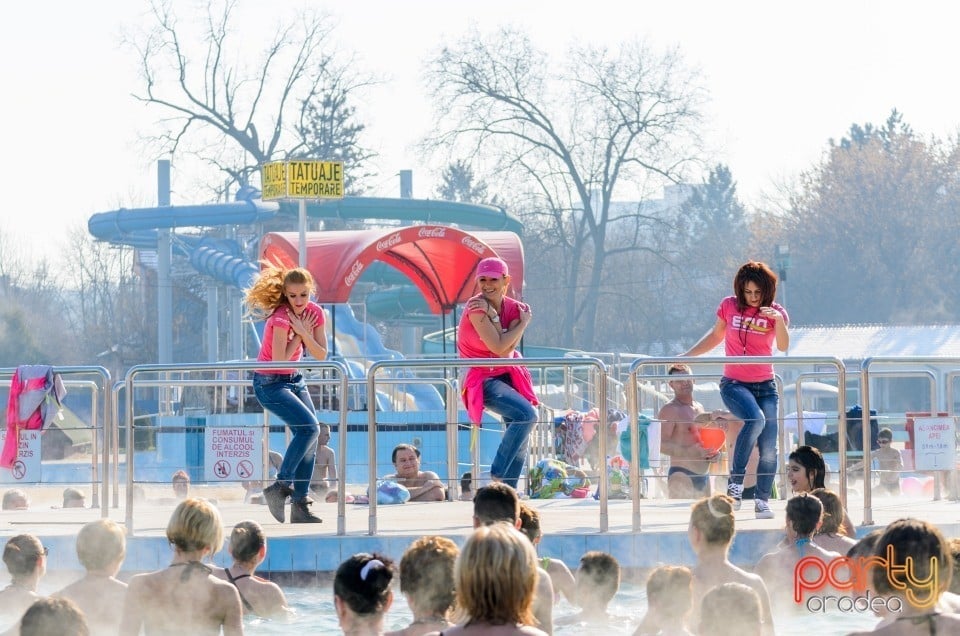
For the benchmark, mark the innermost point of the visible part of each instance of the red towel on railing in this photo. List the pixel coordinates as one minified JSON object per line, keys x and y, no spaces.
{"x":27,"y":407}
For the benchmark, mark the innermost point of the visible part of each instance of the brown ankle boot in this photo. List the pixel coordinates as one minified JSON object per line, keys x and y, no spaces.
{"x":300,"y":513}
{"x":275,"y":496}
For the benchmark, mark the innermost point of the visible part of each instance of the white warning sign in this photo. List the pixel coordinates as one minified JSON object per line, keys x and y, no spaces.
{"x":26,"y":467}
{"x":935,"y":445}
{"x":232,"y":453}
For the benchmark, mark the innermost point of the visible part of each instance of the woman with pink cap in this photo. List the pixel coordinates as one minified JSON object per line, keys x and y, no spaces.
{"x":491,"y":327}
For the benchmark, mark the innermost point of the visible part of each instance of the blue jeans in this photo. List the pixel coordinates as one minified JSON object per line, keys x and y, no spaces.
{"x":286,"y":396}
{"x":519,"y":416}
{"x":756,"y":404}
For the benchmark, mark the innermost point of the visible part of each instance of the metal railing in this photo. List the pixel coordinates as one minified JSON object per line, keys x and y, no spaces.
{"x":131,"y":381}
{"x":665,"y":362}
{"x":378,"y":367}
{"x":865,"y":375}
{"x":99,"y":387}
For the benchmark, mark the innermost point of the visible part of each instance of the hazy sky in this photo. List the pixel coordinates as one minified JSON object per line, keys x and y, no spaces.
{"x":783,"y":78}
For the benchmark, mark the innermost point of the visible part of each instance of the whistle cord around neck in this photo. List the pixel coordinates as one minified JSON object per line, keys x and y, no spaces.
{"x":744,"y":329}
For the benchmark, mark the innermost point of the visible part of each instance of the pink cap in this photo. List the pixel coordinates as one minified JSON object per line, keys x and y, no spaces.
{"x":492,"y":268}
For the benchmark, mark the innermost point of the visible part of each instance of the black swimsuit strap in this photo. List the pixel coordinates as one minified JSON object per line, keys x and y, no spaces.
{"x":189,"y":567}
{"x":931,"y":620}
{"x":233,"y":579}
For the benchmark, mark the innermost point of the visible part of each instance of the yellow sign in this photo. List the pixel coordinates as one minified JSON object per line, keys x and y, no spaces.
{"x":302,"y":179}
{"x":273,"y":176}
{"x":315,"y":179}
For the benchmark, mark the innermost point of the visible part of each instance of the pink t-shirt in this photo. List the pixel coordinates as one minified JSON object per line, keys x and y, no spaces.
{"x":748,"y":333}
{"x":470,"y":345}
{"x":281,"y":318}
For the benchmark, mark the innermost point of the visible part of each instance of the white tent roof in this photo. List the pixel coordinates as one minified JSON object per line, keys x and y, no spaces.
{"x":856,"y":342}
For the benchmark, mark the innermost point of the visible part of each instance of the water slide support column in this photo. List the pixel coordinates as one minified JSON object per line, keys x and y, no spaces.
{"x":236,"y":324}
{"x":409,"y":334}
{"x":213,"y":326}
{"x":302,"y":225}
{"x":164,"y":255}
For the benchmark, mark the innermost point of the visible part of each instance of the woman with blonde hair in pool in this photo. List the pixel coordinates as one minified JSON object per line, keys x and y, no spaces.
{"x":496,"y":575}
{"x":185,"y":598}
{"x":426,"y":579}
{"x":248,"y":547}
{"x":101,"y":548}
{"x":711,"y":532}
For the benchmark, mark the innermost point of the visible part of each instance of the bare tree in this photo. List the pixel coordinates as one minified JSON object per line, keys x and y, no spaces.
{"x":235,"y":115}
{"x":108,"y":306}
{"x":459,"y":183}
{"x":605,"y":122}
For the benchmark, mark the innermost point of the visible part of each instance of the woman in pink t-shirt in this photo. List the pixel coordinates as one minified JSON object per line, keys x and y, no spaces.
{"x":491,"y":327}
{"x":294,"y":324}
{"x":749,"y":324}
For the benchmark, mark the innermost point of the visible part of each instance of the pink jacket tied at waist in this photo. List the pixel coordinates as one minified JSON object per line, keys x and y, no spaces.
{"x":472,"y":391}
{"x":31,"y":388}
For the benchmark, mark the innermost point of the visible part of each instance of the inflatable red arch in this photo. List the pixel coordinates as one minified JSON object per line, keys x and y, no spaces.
{"x":438,"y":259}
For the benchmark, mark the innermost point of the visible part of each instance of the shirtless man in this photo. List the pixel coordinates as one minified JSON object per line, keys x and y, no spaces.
{"x":688,"y":477}
{"x":424,"y":485}
{"x":324,"y":480}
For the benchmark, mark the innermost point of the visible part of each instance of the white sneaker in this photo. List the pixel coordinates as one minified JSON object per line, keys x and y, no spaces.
{"x":762,"y":509}
{"x":735,"y":492}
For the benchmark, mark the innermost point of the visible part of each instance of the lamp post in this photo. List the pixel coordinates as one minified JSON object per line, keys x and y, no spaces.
{"x":783,"y":264}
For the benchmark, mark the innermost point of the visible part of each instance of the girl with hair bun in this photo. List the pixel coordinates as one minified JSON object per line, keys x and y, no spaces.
{"x":248,"y":547}
{"x":362,"y":594}
{"x":711,"y":533}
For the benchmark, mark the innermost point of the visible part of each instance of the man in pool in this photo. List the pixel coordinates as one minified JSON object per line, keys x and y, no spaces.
{"x":424,"y":485}
{"x":688,"y":477}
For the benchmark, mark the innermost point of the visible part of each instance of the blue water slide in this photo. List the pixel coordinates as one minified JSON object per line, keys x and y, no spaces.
{"x":224,"y":260}
{"x":350,"y":329}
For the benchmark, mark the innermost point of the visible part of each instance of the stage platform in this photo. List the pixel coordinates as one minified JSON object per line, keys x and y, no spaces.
{"x":571,"y":527}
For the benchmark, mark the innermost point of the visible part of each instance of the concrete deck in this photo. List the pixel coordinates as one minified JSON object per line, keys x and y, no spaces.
{"x":571,"y":528}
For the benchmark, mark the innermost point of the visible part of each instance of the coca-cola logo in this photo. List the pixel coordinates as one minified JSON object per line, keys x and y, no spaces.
{"x":474,"y":245}
{"x":432,"y":232}
{"x":388,"y":242}
{"x":354,"y":273}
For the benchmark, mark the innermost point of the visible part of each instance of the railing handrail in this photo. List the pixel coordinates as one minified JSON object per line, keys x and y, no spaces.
{"x":103,"y":384}
{"x":486,"y":362}
{"x":865,"y":421}
{"x":340,"y":367}
{"x":727,"y":360}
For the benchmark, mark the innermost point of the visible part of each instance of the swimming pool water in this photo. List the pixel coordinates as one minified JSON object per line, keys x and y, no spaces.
{"x":315,"y":613}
